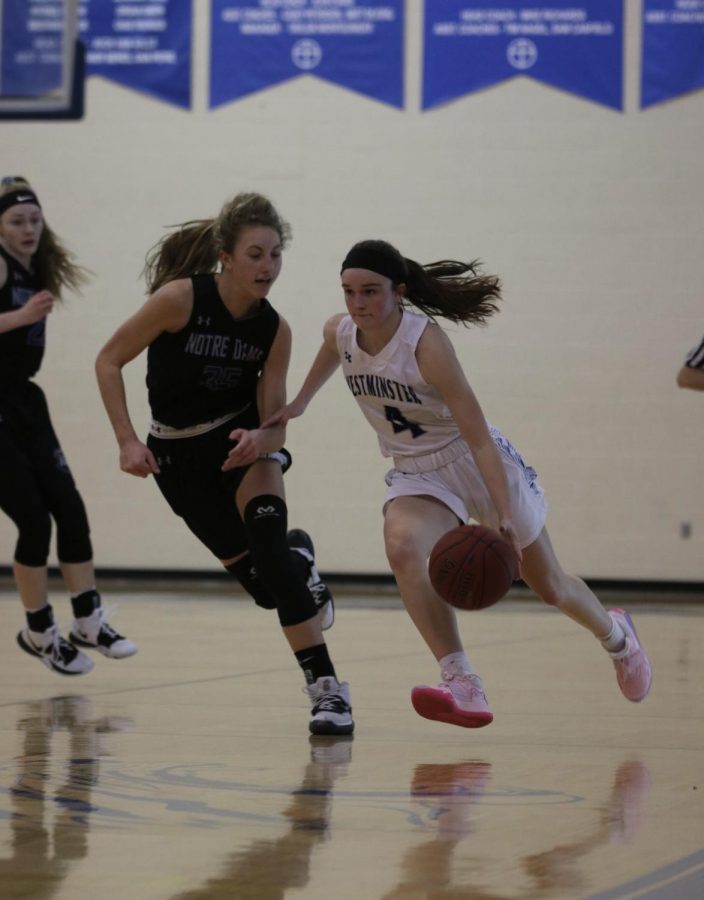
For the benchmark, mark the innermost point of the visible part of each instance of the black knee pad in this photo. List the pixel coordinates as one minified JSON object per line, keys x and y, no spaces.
{"x":34,"y":537}
{"x":246,"y":574}
{"x":265,"y":518}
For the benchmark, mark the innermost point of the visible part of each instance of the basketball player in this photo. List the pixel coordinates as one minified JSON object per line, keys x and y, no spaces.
{"x":36,"y":485}
{"x":217,"y":362}
{"x":691,"y":375}
{"x":449,"y":463}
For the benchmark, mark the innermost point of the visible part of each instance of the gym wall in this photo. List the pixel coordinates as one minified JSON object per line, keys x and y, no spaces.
{"x":592,"y":217}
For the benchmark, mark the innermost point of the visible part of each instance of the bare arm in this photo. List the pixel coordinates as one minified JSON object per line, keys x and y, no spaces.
{"x":271,"y":395}
{"x":440,"y":367}
{"x":34,"y":310}
{"x":687,"y":377}
{"x":166,"y":310}
{"x":322,"y":368}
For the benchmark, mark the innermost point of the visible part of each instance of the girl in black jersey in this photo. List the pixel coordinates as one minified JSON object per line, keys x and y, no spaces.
{"x":217,"y":360}
{"x":36,"y":485}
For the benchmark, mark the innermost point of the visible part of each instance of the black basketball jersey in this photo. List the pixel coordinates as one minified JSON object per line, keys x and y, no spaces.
{"x":22,"y":349}
{"x":211,"y":367}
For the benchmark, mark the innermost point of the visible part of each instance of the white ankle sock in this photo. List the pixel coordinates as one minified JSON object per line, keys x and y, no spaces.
{"x":456,"y":664}
{"x":615,"y":640}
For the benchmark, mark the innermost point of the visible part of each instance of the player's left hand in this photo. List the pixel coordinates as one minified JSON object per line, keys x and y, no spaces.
{"x":246,"y":450}
{"x":508,"y":533}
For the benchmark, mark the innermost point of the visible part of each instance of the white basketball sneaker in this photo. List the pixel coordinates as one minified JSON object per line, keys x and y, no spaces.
{"x":54,"y":651}
{"x":94,"y":633}
{"x":331,"y":711}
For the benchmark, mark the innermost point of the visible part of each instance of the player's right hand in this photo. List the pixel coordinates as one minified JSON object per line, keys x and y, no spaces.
{"x":137,"y":459}
{"x":37,"y":307}
{"x":284,"y":415}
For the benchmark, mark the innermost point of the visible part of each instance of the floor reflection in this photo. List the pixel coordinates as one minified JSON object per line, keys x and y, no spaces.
{"x":618,"y":822}
{"x":445,"y":795}
{"x":449,"y":797}
{"x":268,"y":867}
{"x":49,"y":825}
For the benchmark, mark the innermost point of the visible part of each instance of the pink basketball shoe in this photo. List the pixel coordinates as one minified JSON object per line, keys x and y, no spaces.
{"x":633,"y":670}
{"x":458,"y":700}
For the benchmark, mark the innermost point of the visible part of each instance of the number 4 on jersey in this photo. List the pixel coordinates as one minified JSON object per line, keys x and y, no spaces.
{"x":400,"y":423}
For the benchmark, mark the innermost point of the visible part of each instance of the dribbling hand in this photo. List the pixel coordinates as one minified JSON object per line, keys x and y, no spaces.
{"x":508,"y":533}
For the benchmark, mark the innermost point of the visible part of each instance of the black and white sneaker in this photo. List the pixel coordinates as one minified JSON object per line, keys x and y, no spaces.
{"x":54,"y":651}
{"x":300,"y":541}
{"x":94,"y":633}
{"x":331,"y":711}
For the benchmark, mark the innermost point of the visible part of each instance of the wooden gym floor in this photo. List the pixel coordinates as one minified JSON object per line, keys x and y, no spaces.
{"x":187,"y":772}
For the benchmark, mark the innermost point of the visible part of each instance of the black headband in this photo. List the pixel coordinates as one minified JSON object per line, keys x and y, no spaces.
{"x":376,"y":261}
{"x":18,"y":196}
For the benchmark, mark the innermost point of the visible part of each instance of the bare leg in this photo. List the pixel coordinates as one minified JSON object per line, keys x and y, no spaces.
{"x":33,"y":581}
{"x":32,"y":585}
{"x":307,"y":634}
{"x":79,"y":577}
{"x":412,"y":525}
{"x":542,"y":572}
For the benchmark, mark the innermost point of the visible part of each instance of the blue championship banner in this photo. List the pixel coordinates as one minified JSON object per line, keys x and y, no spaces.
{"x":142,"y":45}
{"x":356,"y":44}
{"x":571,"y":45}
{"x":31,"y":50}
{"x":673,"y":49}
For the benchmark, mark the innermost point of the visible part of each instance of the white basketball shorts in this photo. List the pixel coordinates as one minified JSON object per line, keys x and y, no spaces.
{"x":452,"y":477}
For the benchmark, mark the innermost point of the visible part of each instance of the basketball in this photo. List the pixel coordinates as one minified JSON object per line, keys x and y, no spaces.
{"x":472,"y":567}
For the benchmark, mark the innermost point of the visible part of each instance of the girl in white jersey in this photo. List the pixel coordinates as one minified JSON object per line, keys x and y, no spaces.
{"x":450,"y":464}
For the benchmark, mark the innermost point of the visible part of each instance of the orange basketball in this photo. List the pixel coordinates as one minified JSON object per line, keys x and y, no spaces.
{"x":472,"y":567}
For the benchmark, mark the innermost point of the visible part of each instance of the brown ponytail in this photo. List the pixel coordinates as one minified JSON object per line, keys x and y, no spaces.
{"x":195,"y":246}
{"x":449,"y":289}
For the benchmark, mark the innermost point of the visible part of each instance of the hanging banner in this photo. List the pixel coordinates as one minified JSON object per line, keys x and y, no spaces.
{"x":574,"y":46}
{"x":356,"y":44}
{"x":31,"y":53}
{"x":142,"y":45}
{"x":673,"y":49}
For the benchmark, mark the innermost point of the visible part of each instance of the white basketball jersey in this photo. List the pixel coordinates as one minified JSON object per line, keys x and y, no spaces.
{"x":408,"y":415}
